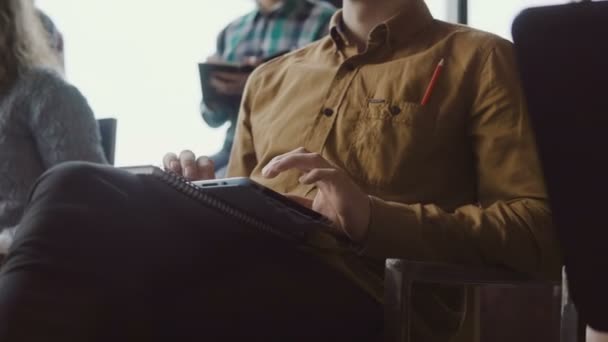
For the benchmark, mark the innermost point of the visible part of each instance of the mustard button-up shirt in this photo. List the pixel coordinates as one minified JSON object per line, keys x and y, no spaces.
{"x":456,"y":180}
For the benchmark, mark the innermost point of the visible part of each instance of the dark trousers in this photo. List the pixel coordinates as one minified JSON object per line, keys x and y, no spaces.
{"x":103,"y":255}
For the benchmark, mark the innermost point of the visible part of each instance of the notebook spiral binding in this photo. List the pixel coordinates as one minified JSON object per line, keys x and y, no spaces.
{"x":194,"y":192}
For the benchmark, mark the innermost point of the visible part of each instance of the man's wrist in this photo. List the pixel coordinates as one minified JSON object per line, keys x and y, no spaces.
{"x":361,"y":233}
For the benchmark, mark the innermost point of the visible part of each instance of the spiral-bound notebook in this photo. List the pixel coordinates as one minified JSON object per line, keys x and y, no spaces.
{"x":249,"y":202}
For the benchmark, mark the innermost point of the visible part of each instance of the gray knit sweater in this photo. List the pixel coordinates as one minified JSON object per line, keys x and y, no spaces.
{"x":43,"y":122}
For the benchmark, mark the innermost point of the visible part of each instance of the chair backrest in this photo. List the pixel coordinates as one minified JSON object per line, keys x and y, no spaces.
{"x":107,"y":129}
{"x":562,"y":54}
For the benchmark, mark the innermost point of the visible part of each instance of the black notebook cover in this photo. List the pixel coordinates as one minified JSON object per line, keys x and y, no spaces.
{"x":206,"y":70}
{"x":280,"y":223}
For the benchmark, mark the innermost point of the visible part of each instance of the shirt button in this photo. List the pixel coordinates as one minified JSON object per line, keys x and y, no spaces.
{"x":395,"y":110}
{"x":328,"y":112}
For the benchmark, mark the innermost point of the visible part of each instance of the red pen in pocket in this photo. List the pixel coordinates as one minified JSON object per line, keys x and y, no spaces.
{"x":429,"y":89}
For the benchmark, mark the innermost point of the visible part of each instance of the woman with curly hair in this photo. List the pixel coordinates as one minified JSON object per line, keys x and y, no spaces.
{"x":43,"y":120}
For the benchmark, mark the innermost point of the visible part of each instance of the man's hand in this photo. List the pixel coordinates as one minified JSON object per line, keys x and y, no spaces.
{"x":188,"y":166}
{"x":338,"y":198}
{"x":229,"y":83}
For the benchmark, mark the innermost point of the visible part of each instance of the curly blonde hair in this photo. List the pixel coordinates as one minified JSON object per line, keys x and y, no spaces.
{"x":23,"y":42}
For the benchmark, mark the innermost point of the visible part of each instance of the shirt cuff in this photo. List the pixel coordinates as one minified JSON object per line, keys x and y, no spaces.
{"x":393,"y":230}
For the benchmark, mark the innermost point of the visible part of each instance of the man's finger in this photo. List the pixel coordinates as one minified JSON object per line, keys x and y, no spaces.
{"x":232,"y":89}
{"x":301,"y":161}
{"x":218,"y":84}
{"x":187,"y":158}
{"x":230,"y":76}
{"x":188,"y":164}
{"x":170,"y":161}
{"x":319,"y":175}
{"x":229,"y":87}
{"x":303,"y":201}
{"x":253,"y":61}
{"x":281,"y":156}
{"x":206,"y":167}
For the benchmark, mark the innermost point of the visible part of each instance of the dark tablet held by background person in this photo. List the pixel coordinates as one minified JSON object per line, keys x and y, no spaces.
{"x":222,"y":83}
{"x":270,"y":29}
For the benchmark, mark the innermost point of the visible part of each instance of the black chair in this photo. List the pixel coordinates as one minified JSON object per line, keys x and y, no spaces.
{"x":561,"y":54}
{"x":107,"y":129}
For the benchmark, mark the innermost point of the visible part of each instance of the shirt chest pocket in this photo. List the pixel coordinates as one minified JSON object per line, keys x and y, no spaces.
{"x":390,"y":141}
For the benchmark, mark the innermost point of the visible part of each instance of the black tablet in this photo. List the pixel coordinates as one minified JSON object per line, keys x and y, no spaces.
{"x":263,"y":203}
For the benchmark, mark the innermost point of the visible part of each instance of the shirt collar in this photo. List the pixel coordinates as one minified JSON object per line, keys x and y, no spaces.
{"x":336,"y":30}
{"x":394,"y":32}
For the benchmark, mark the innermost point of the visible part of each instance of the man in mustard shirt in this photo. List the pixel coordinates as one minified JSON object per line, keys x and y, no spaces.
{"x":409,"y":133}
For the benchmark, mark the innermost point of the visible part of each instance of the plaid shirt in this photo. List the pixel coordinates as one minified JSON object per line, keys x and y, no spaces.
{"x":291,"y":25}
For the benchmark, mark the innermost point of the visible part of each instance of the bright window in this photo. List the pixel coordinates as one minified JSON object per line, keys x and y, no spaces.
{"x":497,"y":16}
{"x":136,"y":60}
{"x":440,"y":9}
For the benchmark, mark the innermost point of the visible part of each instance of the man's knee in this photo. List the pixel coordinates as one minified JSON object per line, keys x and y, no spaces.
{"x":70,"y":179}
{"x":74,"y":207}
{"x":71,"y":171}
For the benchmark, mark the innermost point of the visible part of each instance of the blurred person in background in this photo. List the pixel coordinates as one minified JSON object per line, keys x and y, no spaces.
{"x":275,"y":26}
{"x":54,"y":36}
{"x":43,"y":120}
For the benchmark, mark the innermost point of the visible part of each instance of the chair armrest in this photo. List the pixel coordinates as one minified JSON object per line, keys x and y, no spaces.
{"x":401,"y":274}
{"x":459,"y":274}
